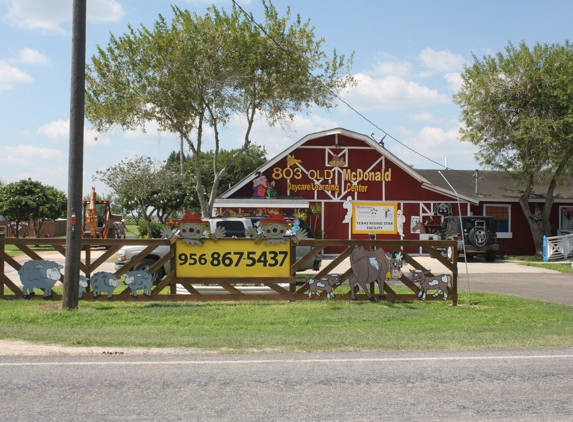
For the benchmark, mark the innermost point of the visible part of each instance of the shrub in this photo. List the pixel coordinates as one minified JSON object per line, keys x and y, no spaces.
{"x":155,"y":230}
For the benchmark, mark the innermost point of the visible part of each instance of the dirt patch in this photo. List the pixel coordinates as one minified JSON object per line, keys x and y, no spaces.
{"x":24,"y":348}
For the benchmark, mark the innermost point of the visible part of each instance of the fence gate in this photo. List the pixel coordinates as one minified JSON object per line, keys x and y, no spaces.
{"x":246,"y":272}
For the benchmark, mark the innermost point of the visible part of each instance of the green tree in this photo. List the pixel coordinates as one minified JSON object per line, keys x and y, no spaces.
{"x":150,"y":186}
{"x":517,"y":107}
{"x":204,"y":71}
{"x":55,"y":206}
{"x":242,"y":166}
{"x":30,"y":201}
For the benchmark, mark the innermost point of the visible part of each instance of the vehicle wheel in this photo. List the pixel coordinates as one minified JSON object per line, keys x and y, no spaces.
{"x":490,"y":256}
{"x":145,"y":265}
{"x":478,"y":237}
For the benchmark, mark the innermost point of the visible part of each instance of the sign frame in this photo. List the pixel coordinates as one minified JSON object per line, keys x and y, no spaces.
{"x":233,"y":258}
{"x":377,"y":217}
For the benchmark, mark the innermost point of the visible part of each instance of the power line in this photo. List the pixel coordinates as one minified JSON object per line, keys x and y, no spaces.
{"x":336,"y":94}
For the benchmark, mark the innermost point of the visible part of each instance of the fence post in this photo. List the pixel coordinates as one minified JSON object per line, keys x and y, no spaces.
{"x":2,"y":235}
{"x":544,"y":248}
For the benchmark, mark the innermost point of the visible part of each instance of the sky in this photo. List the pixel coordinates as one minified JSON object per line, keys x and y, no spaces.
{"x":408,"y":56}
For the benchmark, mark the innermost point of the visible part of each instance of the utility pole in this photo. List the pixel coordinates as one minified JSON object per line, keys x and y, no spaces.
{"x":76,"y":159}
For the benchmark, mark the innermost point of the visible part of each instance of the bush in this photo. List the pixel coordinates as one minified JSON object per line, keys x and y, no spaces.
{"x":155,"y":230}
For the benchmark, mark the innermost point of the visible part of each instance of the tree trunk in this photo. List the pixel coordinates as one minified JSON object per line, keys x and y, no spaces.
{"x":147,"y":219}
{"x":536,"y":226}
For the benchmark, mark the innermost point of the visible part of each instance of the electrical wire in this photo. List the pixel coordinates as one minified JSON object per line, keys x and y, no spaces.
{"x":335,"y":94}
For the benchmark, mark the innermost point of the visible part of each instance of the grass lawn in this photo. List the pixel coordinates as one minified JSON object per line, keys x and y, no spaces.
{"x":562,"y":268}
{"x":492,"y":321}
{"x":12,"y":250}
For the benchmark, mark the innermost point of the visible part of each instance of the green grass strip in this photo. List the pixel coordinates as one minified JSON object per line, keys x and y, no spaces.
{"x":492,"y":321}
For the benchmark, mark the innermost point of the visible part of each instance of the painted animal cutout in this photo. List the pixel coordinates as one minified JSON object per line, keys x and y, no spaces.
{"x":375,"y":266}
{"x":326,"y":284}
{"x":139,"y":280}
{"x":103,"y":282}
{"x":424,"y":281}
{"x":39,"y":274}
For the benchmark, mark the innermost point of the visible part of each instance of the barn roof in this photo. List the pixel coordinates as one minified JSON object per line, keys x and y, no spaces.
{"x":486,"y":185}
{"x":341,"y":131}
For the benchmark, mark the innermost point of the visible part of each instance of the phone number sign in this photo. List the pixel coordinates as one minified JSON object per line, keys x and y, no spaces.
{"x":232,"y":258}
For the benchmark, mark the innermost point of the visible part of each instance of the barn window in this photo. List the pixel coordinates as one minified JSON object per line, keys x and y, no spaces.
{"x":565,"y":220}
{"x":502,"y":214}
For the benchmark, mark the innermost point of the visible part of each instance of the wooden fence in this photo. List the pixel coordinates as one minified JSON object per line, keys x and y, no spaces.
{"x":557,"y":247}
{"x":173,"y":288}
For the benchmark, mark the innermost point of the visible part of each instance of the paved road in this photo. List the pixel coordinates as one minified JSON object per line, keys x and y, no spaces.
{"x":530,"y":385}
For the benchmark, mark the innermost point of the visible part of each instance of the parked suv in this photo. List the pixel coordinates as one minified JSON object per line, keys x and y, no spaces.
{"x":479,"y":235}
{"x":234,"y":227}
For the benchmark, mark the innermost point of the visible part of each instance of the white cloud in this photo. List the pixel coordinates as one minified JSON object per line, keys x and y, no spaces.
{"x":30,"y":56}
{"x":59,"y":131}
{"x":94,"y":138}
{"x":424,"y":116}
{"x":48,"y":15}
{"x":28,"y":155}
{"x":56,"y":130}
{"x":9,"y":76}
{"x":455,"y":81}
{"x":153,"y":135}
{"x":210,"y":2}
{"x":104,"y":10}
{"x":441,"y":61}
{"x":278,"y":139}
{"x":391,"y":93}
{"x":437,"y":144}
{"x":391,"y":68}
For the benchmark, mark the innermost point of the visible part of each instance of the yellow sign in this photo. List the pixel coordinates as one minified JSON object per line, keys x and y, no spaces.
{"x":374,"y":217}
{"x":232,"y":258}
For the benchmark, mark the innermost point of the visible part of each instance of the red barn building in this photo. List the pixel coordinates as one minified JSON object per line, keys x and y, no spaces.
{"x":363,"y":189}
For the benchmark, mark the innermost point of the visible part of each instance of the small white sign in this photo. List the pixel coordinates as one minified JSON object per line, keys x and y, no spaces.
{"x":374,"y":217}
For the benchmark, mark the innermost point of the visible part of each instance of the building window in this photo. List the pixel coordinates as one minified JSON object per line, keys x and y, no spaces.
{"x":502,"y":215}
{"x":565,"y":220}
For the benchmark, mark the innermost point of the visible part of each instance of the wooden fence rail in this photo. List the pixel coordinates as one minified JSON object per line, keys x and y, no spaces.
{"x":97,"y":252}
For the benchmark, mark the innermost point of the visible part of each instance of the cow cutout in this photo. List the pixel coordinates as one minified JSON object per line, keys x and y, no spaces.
{"x":326,"y":284}
{"x":375,"y":266}
{"x":424,"y":281}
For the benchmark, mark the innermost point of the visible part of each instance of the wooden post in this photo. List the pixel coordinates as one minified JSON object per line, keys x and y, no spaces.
{"x":76,"y":159}
{"x":455,"y":276}
{"x":292,"y":285}
{"x":2,"y":235}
